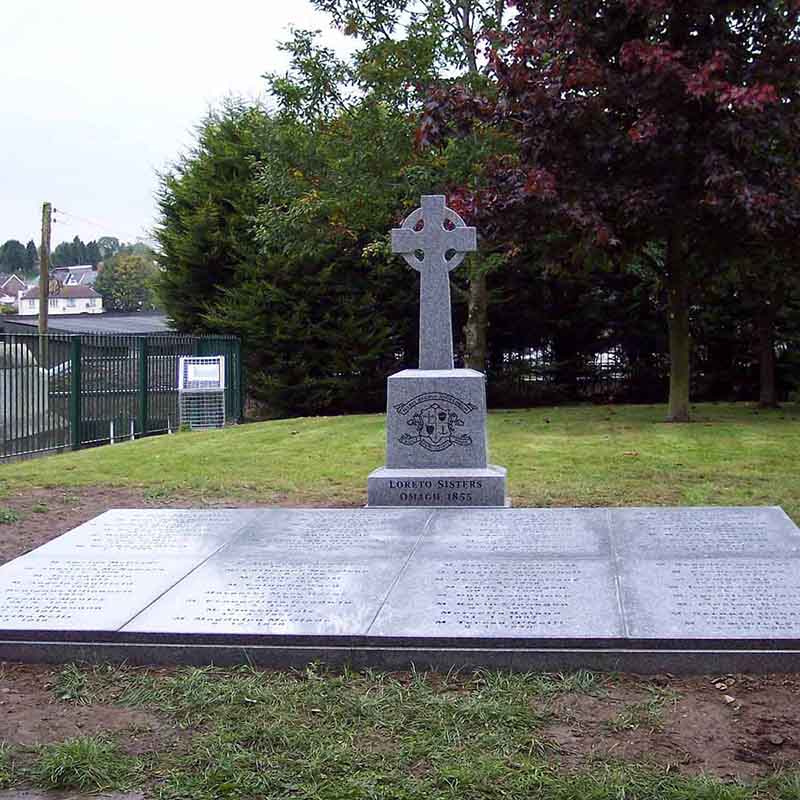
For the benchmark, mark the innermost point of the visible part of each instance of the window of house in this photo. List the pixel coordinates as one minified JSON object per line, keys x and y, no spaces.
{"x":53,"y":302}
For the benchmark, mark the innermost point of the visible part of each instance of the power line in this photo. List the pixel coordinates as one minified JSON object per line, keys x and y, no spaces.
{"x":106,"y":228}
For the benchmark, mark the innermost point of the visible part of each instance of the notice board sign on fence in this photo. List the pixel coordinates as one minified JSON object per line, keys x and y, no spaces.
{"x":201,"y":391}
{"x":201,"y":374}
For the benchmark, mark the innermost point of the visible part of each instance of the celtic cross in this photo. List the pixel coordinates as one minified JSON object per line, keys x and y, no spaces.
{"x":434,"y":240}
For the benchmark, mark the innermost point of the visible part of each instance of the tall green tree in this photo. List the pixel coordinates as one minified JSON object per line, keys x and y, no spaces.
{"x":303,"y":215}
{"x":93,"y":254}
{"x":767,"y":283}
{"x":323,"y":307}
{"x":127,"y":282}
{"x":69,"y":254}
{"x":32,"y":259}
{"x":80,"y":253}
{"x":207,"y":203}
{"x":13,"y":257}
{"x":299,"y":231}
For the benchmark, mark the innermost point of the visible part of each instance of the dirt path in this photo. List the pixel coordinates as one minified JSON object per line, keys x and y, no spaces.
{"x":730,"y":726}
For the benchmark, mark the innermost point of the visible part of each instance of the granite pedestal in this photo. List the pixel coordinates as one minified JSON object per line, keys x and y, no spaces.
{"x":436,"y":449}
{"x":641,"y":590}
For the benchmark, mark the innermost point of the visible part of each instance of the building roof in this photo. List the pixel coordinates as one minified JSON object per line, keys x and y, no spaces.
{"x":76,"y":268}
{"x":15,"y":288}
{"x":65,"y":291}
{"x":84,"y":274}
{"x":110,"y":322}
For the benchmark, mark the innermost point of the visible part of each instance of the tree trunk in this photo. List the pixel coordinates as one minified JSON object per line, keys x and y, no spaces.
{"x":475,"y":331}
{"x":468,"y":35}
{"x":679,"y":335}
{"x":768,"y":394}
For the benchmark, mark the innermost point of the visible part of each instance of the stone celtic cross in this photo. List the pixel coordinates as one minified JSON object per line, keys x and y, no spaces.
{"x":434,"y":240}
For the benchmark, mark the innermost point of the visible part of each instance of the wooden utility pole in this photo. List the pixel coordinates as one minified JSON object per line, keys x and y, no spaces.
{"x":44,"y":282}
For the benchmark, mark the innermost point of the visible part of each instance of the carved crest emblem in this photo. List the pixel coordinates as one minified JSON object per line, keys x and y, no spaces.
{"x":435,"y":424}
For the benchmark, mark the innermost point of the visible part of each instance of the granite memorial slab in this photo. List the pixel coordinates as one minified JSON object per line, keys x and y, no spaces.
{"x":495,"y":599}
{"x":520,"y":532}
{"x":275,"y":597}
{"x":709,"y":573}
{"x":498,"y":574}
{"x":732,"y":599}
{"x":301,"y":572}
{"x":187,"y":533}
{"x":440,"y":588}
{"x":436,"y":444}
{"x":328,"y":532}
{"x":647,"y":532}
{"x":66,"y":594}
{"x":104,"y":572}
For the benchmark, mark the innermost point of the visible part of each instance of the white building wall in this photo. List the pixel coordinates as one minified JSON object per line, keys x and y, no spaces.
{"x":63,"y":305}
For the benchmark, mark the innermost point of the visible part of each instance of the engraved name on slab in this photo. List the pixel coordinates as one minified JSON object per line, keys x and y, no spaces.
{"x":274,"y":596}
{"x":503,"y":599}
{"x":300,"y":532}
{"x":187,"y":533}
{"x":553,"y":530}
{"x":474,"y":595}
{"x":726,"y":531}
{"x":39,"y":593}
{"x":732,"y":598}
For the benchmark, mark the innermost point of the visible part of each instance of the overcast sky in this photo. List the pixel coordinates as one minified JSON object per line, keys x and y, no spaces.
{"x":95,"y":96}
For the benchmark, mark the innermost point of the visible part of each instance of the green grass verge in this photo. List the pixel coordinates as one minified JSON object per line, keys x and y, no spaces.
{"x":7,"y":772}
{"x":8,"y":516}
{"x":320,"y":735}
{"x":586,"y":455}
{"x":87,"y":763}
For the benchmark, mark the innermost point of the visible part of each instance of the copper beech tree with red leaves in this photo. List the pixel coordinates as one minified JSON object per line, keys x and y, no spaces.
{"x":637,"y":121}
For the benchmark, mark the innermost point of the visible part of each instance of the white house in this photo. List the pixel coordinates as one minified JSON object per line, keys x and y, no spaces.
{"x":68,"y":300}
{"x":11,"y":286}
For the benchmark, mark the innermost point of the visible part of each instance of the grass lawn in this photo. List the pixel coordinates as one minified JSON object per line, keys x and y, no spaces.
{"x":207,"y":734}
{"x":315,"y":735}
{"x":585,"y":456}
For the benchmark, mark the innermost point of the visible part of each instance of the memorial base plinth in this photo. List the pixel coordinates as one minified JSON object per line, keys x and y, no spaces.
{"x":437,"y":488}
{"x":644,"y":661}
